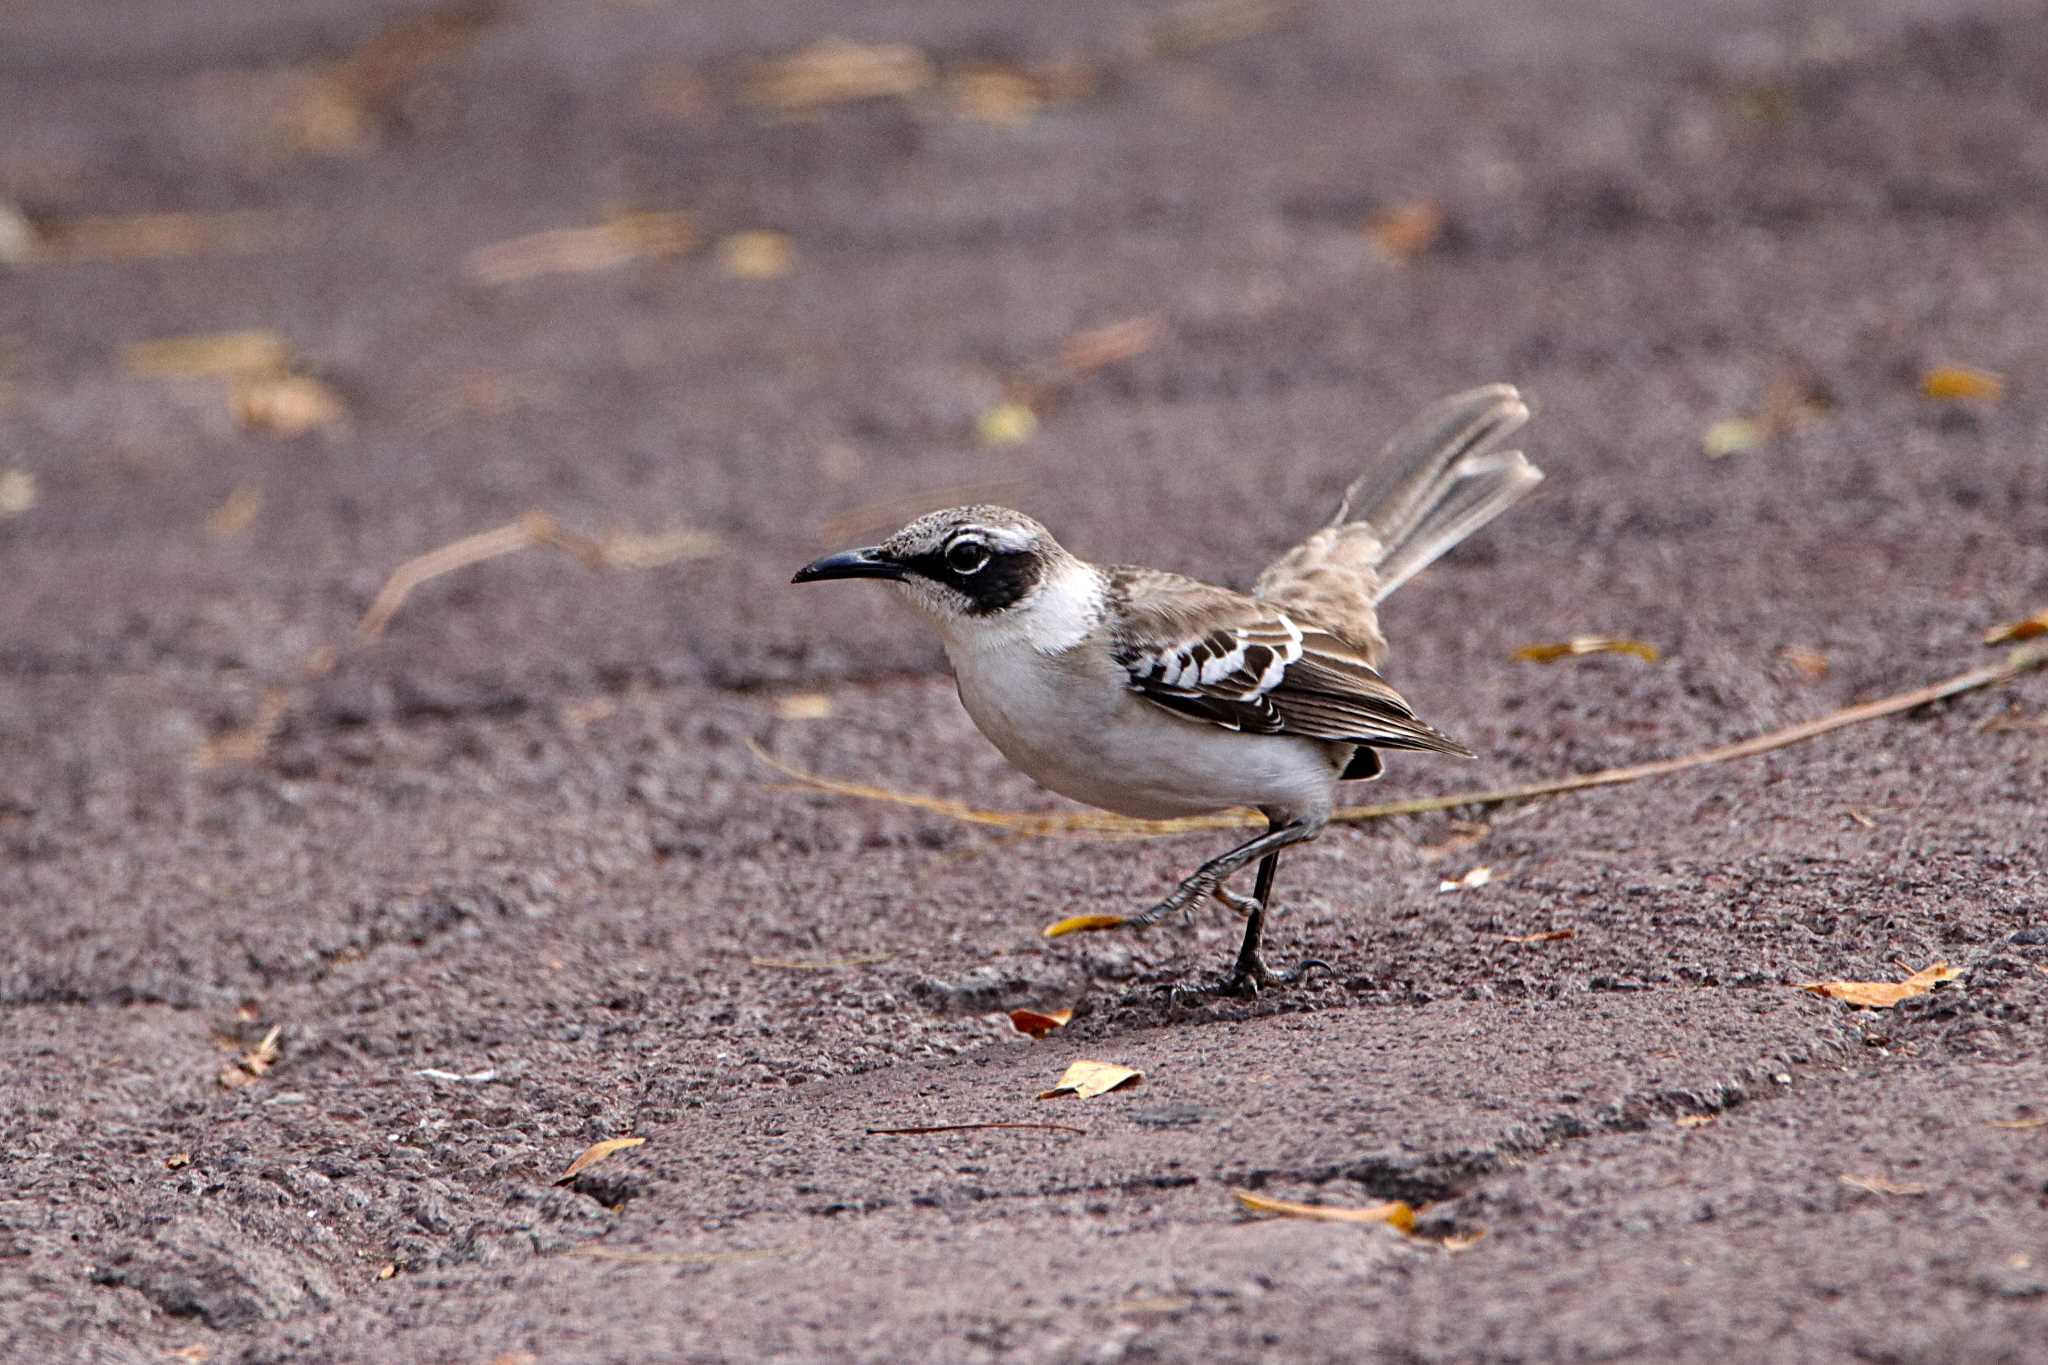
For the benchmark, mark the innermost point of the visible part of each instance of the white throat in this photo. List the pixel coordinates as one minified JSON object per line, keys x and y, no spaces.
{"x":1062,"y":610}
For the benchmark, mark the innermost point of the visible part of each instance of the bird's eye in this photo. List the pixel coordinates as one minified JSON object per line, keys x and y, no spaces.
{"x":966,"y":556}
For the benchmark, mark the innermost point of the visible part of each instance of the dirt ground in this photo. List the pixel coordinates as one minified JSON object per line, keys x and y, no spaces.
{"x":507,"y":880}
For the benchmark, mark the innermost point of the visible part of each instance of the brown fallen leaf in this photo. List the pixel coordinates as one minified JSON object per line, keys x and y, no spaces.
{"x":177,"y":1161}
{"x":1877,"y":1184}
{"x":1807,"y":663}
{"x":1398,"y":1214}
{"x":804,"y":706}
{"x":155,"y":236}
{"x":247,"y":354}
{"x":835,"y":71}
{"x":250,"y":1067}
{"x":1037,"y":1023}
{"x":2025,"y":628}
{"x":197,"y":1351}
{"x":1085,"y":1080}
{"x":1407,"y":230}
{"x":1953,"y":383}
{"x":756,"y":255}
{"x":2020,"y":1125}
{"x":1694,"y":1120}
{"x":17,"y":492}
{"x":995,"y":93}
{"x":387,"y":1270}
{"x":1082,"y":924}
{"x":1586,"y":644}
{"x":596,"y":1152}
{"x":627,"y":237}
{"x":284,"y":405}
{"x":1545,"y":936}
{"x":233,"y":516}
{"x":1882,"y":995}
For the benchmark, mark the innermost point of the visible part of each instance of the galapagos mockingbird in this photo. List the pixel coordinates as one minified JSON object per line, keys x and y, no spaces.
{"x":1154,"y":695}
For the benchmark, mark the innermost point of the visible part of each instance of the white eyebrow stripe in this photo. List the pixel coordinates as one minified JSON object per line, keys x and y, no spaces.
{"x":1003,"y":537}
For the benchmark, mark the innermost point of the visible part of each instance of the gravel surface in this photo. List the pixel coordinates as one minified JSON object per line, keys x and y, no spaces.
{"x":507,"y":880}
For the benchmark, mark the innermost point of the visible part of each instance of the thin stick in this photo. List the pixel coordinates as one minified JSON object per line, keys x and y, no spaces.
{"x":2018,"y":662}
{"x":970,"y":1127}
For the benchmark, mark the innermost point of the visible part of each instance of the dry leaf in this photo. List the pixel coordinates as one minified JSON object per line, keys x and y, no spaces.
{"x":995,"y":94}
{"x":1037,"y":1023}
{"x":17,"y":492}
{"x":1878,"y":1184}
{"x":1464,"y":1241}
{"x":757,"y":255}
{"x":2017,"y":1125}
{"x":156,"y":236}
{"x":235,"y":514}
{"x":177,"y":1160}
{"x":1950,"y":383}
{"x":1086,"y":1080}
{"x":387,"y":1270}
{"x":1586,"y":644}
{"x":1477,"y":877}
{"x":1006,"y":424}
{"x":197,"y":1351}
{"x":1404,"y":231}
{"x":1807,"y":663}
{"x":248,"y":1068}
{"x":627,"y":237}
{"x":1882,"y":995}
{"x":1398,"y":1214}
{"x":1546,"y":936}
{"x":231,"y":354}
{"x":835,"y":71}
{"x":1732,"y":436}
{"x":1082,"y":924}
{"x":1860,"y":818}
{"x":1694,"y":1120}
{"x":291,"y":405}
{"x":595,"y":1153}
{"x":804,"y":706}
{"x":1099,"y":346}
{"x":2013,"y":631}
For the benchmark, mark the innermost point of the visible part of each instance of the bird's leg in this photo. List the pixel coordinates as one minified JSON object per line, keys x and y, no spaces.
{"x":1251,"y":972}
{"x":1210,"y":875}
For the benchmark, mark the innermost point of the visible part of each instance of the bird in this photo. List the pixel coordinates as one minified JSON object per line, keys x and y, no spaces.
{"x":1155,"y":695}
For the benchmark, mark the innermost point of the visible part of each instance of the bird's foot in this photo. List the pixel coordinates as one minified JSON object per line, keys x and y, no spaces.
{"x":1246,"y":980}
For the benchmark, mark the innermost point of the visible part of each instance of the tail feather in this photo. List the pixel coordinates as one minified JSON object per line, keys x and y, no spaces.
{"x":1435,"y":483}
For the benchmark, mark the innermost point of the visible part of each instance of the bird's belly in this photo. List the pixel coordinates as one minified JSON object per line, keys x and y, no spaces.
{"x":1095,"y":741}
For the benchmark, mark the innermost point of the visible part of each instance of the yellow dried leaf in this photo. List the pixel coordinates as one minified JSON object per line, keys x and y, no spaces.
{"x":1546,"y":936}
{"x":1878,"y":1184}
{"x":835,"y":71}
{"x":1085,"y":1080}
{"x":1694,"y":1120}
{"x":1732,"y":436}
{"x":595,"y":1153}
{"x":1464,"y":1241}
{"x":2018,"y":1125}
{"x":1006,"y":424}
{"x":248,"y":1068}
{"x":1952,"y":383}
{"x":1477,"y":877}
{"x":196,"y":1352}
{"x":804,"y":706}
{"x":387,"y":1270}
{"x":17,"y":492}
{"x":2010,"y":633}
{"x":1082,"y":924}
{"x":995,"y":94}
{"x":177,"y":1160}
{"x":232,"y":354}
{"x":1404,"y":231}
{"x":1398,"y":1214}
{"x":1099,"y":346}
{"x":1586,"y":644}
{"x":235,"y":514}
{"x":756,"y":255}
{"x":288,"y":406}
{"x":1882,"y":995}
{"x":1037,"y":1023}
{"x":627,"y":237}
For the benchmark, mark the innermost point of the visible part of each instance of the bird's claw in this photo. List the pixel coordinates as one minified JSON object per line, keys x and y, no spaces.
{"x":1245,"y":981}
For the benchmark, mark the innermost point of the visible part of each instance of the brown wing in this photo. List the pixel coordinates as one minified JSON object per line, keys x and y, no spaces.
{"x":1213,"y":655}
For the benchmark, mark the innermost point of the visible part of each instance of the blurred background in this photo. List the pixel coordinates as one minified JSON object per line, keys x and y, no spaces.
{"x":293,"y":293}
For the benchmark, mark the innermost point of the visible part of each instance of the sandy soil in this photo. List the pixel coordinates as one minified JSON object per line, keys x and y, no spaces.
{"x":508,"y":881}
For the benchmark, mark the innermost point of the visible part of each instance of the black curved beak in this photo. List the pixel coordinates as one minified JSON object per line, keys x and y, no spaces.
{"x":867,"y":563}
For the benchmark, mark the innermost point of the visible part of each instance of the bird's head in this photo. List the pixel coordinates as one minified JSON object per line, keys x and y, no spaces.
{"x":958,"y":565}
